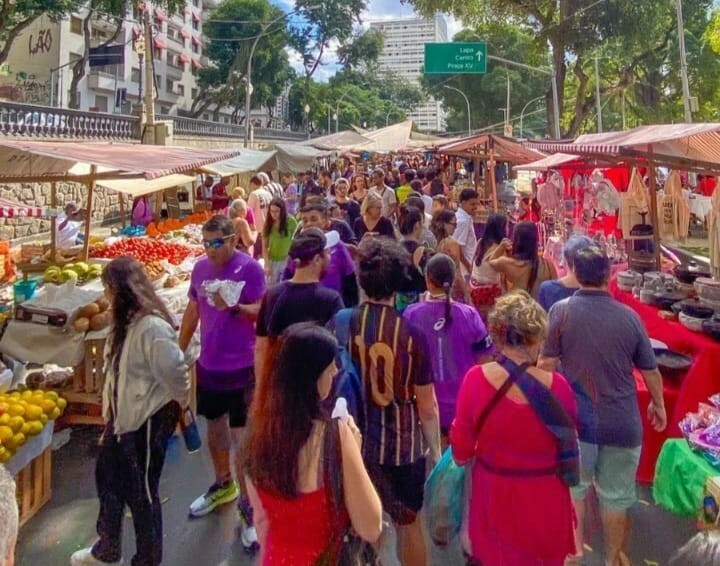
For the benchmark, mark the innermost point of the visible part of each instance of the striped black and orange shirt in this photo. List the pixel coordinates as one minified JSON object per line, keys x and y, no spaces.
{"x":392,"y":359}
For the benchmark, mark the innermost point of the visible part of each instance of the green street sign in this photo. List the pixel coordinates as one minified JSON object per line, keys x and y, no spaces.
{"x":455,"y":58}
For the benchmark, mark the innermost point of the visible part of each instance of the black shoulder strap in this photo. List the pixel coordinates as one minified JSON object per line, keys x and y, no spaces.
{"x":499,"y":394}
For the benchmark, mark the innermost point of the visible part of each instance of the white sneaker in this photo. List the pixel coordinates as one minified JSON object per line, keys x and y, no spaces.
{"x":249,"y":539}
{"x":85,"y":557}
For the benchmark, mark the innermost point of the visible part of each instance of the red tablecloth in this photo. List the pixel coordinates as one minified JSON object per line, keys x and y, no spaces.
{"x":701,"y":381}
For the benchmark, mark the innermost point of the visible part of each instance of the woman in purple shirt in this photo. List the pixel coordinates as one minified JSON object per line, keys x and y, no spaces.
{"x":454,"y":333}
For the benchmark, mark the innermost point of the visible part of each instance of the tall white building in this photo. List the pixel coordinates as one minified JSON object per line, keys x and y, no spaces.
{"x":403,"y":53}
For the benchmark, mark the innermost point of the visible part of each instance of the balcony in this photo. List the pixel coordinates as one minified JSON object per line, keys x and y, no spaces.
{"x":97,"y":80}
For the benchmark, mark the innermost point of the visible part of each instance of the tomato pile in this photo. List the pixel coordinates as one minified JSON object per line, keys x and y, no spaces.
{"x":143,"y":250}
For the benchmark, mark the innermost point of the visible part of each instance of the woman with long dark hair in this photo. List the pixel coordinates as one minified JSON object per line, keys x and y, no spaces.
{"x":519,"y":261}
{"x":484,"y":280}
{"x":287,"y":482}
{"x":277,"y":236}
{"x":410,"y":223}
{"x":146,"y":383}
{"x":443,"y":226}
{"x":454,"y":333}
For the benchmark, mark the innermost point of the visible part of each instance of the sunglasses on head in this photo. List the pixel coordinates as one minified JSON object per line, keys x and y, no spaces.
{"x":217,"y":242}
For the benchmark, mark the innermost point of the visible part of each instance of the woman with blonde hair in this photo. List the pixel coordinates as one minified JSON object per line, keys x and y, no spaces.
{"x":371,"y":220}
{"x":519,"y":511}
{"x":246,"y":234}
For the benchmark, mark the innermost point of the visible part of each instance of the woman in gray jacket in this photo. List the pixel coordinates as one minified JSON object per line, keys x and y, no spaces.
{"x":146,"y":383}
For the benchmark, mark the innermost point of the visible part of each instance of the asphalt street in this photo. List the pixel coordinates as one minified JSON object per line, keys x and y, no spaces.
{"x":67,"y":522}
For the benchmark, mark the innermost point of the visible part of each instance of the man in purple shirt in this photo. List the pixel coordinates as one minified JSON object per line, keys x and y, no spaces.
{"x":225,"y":367}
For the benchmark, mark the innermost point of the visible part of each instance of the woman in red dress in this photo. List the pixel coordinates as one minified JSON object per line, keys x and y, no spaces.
{"x":294,"y":516}
{"x":519,"y":511}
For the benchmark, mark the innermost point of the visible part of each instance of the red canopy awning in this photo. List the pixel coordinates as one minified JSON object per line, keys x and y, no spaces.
{"x":184,"y":58}
{"x":185,"y":33}
{"x":196,"y":40}
{"x":196,"y":64}
{"x":56,"y":160}
{"x":10,"y":209}
{"x":159,"y":43}
{"x":196,"y":17}
{"x":160,"y":15}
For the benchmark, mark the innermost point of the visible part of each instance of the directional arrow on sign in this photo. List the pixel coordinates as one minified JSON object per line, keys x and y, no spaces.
{"x":479,"y":55}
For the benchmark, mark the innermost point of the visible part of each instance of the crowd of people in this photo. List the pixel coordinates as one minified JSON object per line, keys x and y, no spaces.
{"x":459,"y":337}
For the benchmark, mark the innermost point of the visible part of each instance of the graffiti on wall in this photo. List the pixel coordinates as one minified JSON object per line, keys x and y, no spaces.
{"x":31,"y":89}
{"x":40,"y":43}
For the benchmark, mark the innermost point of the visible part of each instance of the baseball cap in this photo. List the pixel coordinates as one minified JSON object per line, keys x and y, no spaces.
{"x":308,"y":243}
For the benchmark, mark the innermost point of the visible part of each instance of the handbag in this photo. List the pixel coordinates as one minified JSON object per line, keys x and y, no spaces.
{"x":346,"y":548}
{"x":445,"y":493}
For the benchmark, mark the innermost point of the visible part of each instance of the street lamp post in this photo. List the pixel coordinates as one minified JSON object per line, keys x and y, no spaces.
{"x":522,"y":112}
{"x":687,"y":99}
{"x":248,"y":87}
{"x":467,"y":102}
{"x":307,"y":119}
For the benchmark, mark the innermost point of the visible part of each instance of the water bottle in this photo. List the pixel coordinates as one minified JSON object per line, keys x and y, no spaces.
{"x":190,"y":432}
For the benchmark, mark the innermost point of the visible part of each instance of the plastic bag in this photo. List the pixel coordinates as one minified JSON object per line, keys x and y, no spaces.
{"x":228,"y":290}
{"x":445,"y":499}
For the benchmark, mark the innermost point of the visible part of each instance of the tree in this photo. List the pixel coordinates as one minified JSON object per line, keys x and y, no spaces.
{"x":324,"y":22}
{"x":576,"y":30}
{"x":362,"y":51}
{"x":230,"y":42}
{"x":18,"y":15}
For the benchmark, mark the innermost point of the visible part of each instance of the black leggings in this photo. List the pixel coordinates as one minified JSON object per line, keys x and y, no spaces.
{"x":128,"y":473}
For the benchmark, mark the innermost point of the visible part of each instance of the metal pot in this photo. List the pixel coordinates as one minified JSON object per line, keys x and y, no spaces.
{"x":672,"y":365}
{"x":665,"y":299}
{"x":711,"y":327}
{"x":687,"y":273}
{"x":696,"y":309}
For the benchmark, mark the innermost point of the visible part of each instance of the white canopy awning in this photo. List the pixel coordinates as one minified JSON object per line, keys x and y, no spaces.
{"x":139,"y":187}
{"x":249,"y":161}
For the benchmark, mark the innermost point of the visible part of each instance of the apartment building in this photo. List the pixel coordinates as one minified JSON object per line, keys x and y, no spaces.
{"x":39,"y":67}
{"x":403,"y":53}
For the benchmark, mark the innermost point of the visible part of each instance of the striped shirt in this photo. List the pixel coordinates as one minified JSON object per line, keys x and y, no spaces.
{"x":392,"y":359}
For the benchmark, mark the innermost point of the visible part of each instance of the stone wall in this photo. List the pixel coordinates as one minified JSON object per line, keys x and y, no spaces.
{"x":105,"y":206}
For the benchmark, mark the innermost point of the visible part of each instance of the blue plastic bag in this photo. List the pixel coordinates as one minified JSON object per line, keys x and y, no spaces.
{"x":445,"y":499}
{"x":348,"y":383}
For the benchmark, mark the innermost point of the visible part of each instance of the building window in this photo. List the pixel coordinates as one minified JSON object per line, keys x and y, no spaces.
{"x":158,"y":54}
{"x":196,"y":25}
{"x":195,"y":48}
{"x":169,"y":85}
{"x":196,"y":3}
{"x":158,"y":81}
{"x":206,"y":117}
{"x":164,"y":110}
{"x":76,"y":25}
{"x":226,"y":120}
{"x":180,"y":89}
{"x":193,"y":93}
{"x":101,"y":103}
{"x":135,"y":75}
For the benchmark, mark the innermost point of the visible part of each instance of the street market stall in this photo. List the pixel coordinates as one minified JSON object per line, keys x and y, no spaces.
{"x":487,"y":150}
{"x":61,"y":319}
{"x":661,"y":300}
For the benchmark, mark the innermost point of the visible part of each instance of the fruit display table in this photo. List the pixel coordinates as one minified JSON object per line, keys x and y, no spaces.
{"x":32,"y":467}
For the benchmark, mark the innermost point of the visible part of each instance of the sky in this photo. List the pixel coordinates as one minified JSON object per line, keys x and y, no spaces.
{"x":377,"y":10}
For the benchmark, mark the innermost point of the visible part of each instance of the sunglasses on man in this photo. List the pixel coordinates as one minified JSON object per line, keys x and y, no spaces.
{"x":216,"y":243}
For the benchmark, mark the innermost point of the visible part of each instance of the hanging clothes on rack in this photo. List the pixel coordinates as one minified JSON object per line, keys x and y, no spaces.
{"x":674,"y":211}
{"x":633,"y":204}
{"x":714,"y":232}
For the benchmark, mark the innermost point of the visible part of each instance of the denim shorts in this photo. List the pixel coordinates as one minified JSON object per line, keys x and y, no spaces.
{"x":612,"y":470}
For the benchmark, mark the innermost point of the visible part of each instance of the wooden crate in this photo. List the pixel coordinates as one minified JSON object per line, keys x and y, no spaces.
{"x":84,"y":397}
{"x":34,"y":485}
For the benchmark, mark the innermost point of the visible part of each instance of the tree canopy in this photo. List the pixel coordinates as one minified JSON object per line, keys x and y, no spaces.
{"x":230,"y":40}
{"x":636,"y":43}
